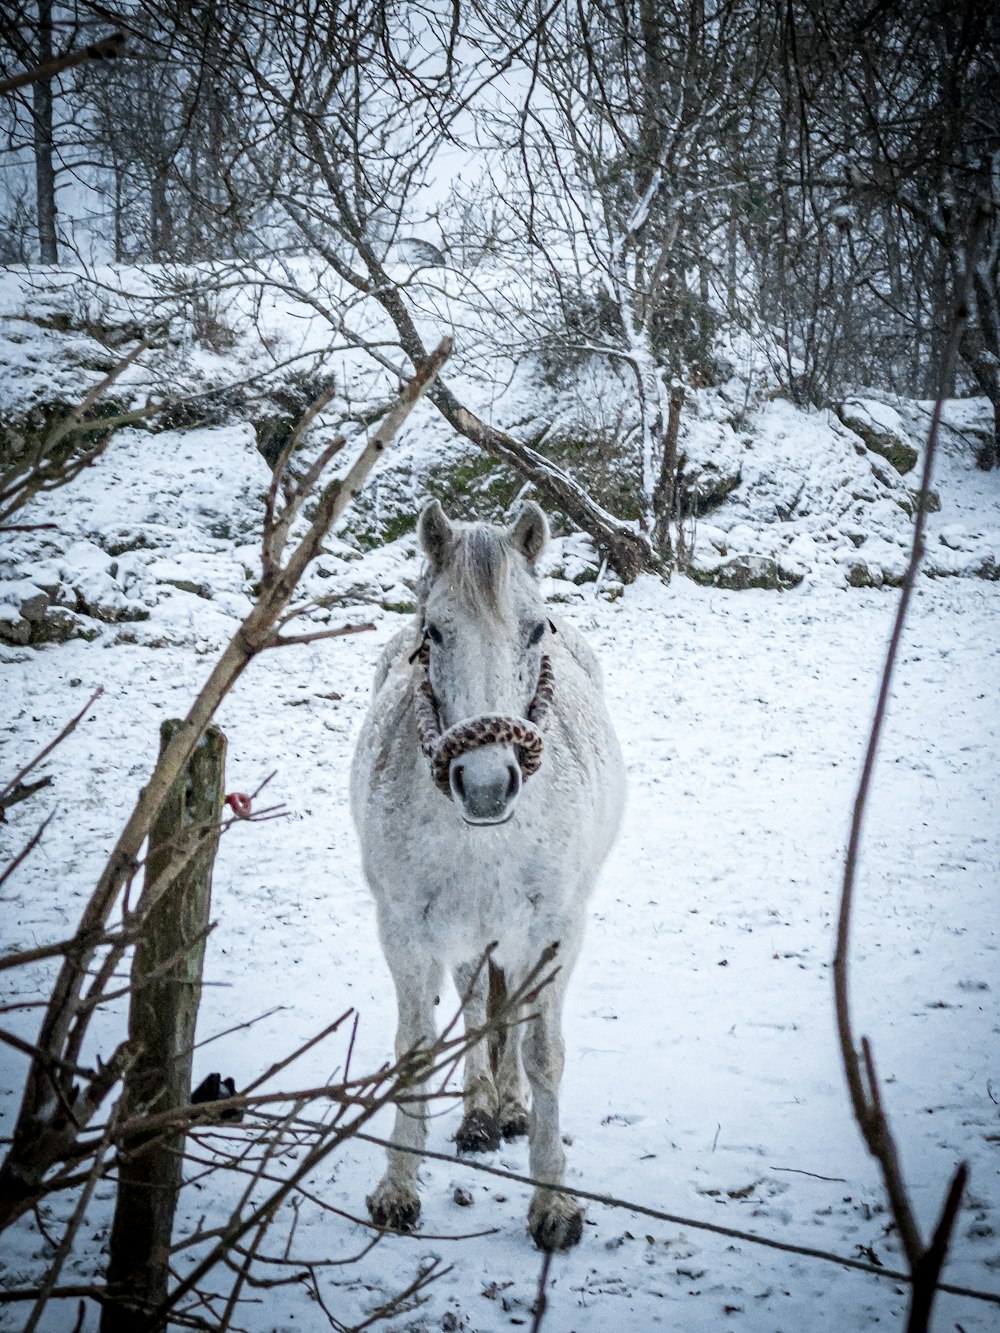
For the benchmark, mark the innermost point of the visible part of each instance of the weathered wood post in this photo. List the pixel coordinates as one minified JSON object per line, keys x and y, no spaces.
{"x":165,"y":991}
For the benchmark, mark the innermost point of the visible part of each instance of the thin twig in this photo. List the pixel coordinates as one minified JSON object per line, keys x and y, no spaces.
{"x":26,"y":850}
{"x":862,"y":1078}
{"x":541,"y":1300}
{"x":68,"y":729}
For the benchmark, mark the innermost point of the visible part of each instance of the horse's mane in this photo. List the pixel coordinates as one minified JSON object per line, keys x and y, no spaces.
{"x":477,"y":567}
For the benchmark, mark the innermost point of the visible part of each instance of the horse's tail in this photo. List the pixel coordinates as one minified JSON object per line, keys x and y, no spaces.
{"x":496,"y":999}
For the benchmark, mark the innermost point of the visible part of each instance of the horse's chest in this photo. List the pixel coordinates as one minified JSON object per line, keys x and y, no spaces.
{"x":457,"y":899}
{"x":460,"y":919}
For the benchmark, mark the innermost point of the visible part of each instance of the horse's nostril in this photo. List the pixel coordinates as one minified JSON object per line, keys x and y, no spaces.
{"x":485,"y":785}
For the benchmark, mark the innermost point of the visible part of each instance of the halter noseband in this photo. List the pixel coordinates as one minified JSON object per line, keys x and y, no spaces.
{"x":442,"y":748}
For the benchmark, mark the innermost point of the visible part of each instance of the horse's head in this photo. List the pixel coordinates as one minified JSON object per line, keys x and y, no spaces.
{"x":484,"y":623}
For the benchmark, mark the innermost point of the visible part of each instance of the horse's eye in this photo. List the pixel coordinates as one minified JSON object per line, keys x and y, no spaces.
{"x":536,"y":634}
{"x":434,"y":634}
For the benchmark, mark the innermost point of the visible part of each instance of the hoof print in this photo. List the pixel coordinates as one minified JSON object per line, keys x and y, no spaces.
{"x":555,"y":1222}
{"x":478,"y":1132}
{"x":396,"y":1210}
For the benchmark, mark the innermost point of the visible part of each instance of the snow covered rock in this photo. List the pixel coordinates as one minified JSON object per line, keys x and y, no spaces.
{"x":711,"y":462}
{"x":882,"y":430}
{"x":572,"y":558}
{"x":742,"y":572}
{"x":14,"y":628}
{"x":861,"y":574}
{"x":28,"y":615}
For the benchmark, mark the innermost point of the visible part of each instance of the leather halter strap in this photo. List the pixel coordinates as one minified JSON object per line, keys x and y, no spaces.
{"x":442,"y":748}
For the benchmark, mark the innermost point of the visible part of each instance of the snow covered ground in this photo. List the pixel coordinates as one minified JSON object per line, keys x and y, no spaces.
{"x":703,"y":1077}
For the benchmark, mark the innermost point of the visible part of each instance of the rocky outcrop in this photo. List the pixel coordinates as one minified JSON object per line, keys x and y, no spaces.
{"x":29,"y":616}
{"x":742,"y":572}
{"x":882,"y":430}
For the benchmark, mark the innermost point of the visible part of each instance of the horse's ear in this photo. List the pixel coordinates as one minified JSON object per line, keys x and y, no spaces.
{"x":530,"y":533}
{"x":435,"y":532}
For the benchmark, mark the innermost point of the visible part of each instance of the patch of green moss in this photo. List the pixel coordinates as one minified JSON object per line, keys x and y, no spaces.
{"x":705,"y":578}
{"x":598,"y":464}
{"x":932,"y":502}
{"x":897,"y":452}
{"x":468,"y":485}
{"x":398,"y":525}
{"x":369,"y":534}
{"x":474,"y":485}
{"x":471,"y":484}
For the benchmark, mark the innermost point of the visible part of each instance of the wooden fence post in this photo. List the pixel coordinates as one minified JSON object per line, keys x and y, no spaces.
{"x":165,"y":991}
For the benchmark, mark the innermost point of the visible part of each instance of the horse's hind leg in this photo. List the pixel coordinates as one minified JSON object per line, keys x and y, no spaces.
{"x":479,"y":1130}
{"x":505,"y":1057}
{"x":394,"y":1202}
{"x":554,"y":1220}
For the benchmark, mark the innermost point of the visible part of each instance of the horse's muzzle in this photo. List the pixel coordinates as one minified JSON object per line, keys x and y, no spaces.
{"x":485,"y":784}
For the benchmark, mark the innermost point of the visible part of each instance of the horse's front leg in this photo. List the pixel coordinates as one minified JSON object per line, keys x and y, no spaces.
{"x":394,"y":1202}
{"x":554,"y":1220}
{"x":480,"y":1127}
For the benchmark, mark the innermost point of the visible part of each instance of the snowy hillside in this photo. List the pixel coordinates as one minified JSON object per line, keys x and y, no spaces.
{"x":703,"y":1078}
{"x":774,"y":495}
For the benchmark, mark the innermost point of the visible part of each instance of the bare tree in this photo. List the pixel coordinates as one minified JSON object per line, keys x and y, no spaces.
{"x":61,"y":1100}
{"x":30,"y":37}
{"x":876,"y":134}
{"x":615,"y":136}
{"x":361,"y":108}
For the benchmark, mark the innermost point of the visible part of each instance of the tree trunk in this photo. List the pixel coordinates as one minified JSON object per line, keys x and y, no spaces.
{"x":985,"y":368}
{"x":119,"y":232}
{"x":665,"y":495}
{"x":41,"y":116}
{"x":988,"y":457}
{"x":165,"y":992}
{"x":161,"y":220}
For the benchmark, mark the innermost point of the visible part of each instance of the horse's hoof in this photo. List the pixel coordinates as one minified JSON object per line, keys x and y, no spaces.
{"x":513,"y":1120}
{"x":555,"y":1221}
{"x":478,"y":1132}
{"x":393,"y":1206}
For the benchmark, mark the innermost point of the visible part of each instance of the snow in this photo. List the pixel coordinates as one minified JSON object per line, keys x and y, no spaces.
{"x":751,"y":457}
{"x":702,"y":1076}
{"x":878,"y":417}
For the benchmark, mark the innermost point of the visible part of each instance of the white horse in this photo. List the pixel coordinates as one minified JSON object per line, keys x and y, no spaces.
{"x":494,"y":830}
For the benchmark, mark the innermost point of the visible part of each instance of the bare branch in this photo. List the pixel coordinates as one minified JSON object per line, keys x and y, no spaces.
{"x":862,"y":1077}
{"x":108,"y":48}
